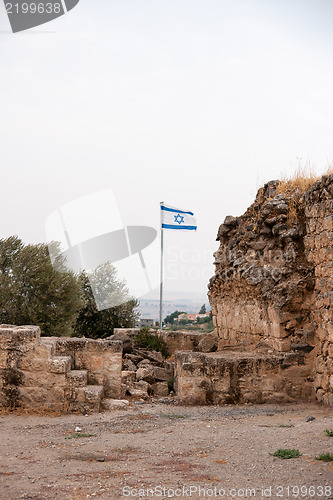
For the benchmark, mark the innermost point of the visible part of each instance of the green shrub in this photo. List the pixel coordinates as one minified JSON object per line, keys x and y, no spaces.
{"x":151,"y":341}
{"x":285,"y":453}
{"x":329,"y":432}
{"x":77,"y":435}
{"x":326,"y":457}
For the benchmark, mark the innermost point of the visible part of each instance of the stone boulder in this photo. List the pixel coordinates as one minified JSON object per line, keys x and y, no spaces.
{"x":208,"y":343}
{"x":115,"y":404}
{"x":127,"y":342}
{"x":145,"y":374}
{"x":161,"y":389}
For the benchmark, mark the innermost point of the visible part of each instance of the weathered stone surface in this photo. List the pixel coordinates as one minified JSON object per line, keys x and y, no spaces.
{"x":230,"y":221}
{"x":145,"y":362}
{"x":139,"y":389}
{"x":115,"y":404}
{"x":208,"y":343}
{"x":145,"y":374}
{"x":241,"y":377}
{"x":161,"y":389}
{"x":273,"y":278}
{"x":181,"y":341}
{"x":78,"y":378}
{"x":55,"y":372}
{"x":128,"y":377}
{"x":160,"y":373}
{"x":59,"y":364}
{"x":93,"y":393}
{"x":129,"y":365}
{"x":125,"y":339}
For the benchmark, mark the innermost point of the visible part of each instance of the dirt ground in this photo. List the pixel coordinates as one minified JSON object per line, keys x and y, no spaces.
{"x":172,"y":451}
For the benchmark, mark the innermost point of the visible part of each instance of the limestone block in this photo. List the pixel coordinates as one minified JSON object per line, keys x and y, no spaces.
{"x":329,"y":400}
{"x":254,"y":397}
{"x":325,"y":381}
{"x":78,"y":394}
{"x":115,"y":404}
{"x":320,"y":395}
{"x":93,"y":393}
{"x":275,"y":397}
{"x":161,"y":389}
{"x":104,"y":367}
{"x":129,"y":365}
{"x":19,"y":334}
{"x":139,"y":389}
{"x":78,"y":378}
{"x":222,"y":385}
{"x":144,"y":363}
{"x":95,"y":378}
{"x":37,"y":358}
{"x":58,"y":394}
{"x":46,"y":380}
{"x":281,"y":345}
{"x":32,"y":395}
{"x":59,"y":364}
{"x":317,"y":380}
{"x":327,"y":223}
{"x":208,"y":343}
{"x":160,"y":373}
{"x":3,"y":359}
{"x":145,"y":374}
{"x":191,"y":391}
{"x":320,"y":365}
{"x":127,"y":376}
{"x":138,"y":393}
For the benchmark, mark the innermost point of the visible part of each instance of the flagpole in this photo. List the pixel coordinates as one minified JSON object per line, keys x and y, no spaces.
{"x":161,"y":277}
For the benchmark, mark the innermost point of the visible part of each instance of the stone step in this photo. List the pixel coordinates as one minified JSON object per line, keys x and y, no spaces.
{"x":86,"y":398}
{"x":229,"y":377}
{"x":78,"y":378}
{"x":93,"y":393}
{"x":59,"y":364}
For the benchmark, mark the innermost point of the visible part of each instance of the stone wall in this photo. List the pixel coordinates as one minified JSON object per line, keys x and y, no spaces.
{"x":64,"y":373}
{"x":318,"y":244}
{"x":241,"y":377}
{"x":272,"y":287}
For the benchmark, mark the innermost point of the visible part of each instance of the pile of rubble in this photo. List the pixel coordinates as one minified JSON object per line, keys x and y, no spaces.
{"x":145,"y":373}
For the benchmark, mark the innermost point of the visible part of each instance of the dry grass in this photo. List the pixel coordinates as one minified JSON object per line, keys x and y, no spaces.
{"x":303,"y":178}
{"x":37,"y":412}
{"x":295,"y":185}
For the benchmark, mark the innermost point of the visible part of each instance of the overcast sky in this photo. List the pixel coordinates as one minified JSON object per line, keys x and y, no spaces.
{"x":193,"y":102}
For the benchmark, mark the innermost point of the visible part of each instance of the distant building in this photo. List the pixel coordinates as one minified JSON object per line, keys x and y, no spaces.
{"x":205,"y":315}
{"x":192,"y":317}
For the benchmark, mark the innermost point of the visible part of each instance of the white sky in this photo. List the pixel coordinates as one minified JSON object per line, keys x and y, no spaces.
{"x":193,"y":102}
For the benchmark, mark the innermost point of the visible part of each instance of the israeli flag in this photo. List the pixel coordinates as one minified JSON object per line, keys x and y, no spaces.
{"x":174,"y":218}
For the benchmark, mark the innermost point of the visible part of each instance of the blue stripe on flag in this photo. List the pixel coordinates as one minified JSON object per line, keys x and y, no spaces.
{"x":170,"y":226}
{"x":167,"y":209}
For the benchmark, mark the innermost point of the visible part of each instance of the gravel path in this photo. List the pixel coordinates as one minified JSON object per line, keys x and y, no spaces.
{"x":173,"y":450}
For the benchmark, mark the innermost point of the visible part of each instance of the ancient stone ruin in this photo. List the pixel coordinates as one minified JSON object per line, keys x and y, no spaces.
{"x":271,"y":299}
{"x":70,"y":374}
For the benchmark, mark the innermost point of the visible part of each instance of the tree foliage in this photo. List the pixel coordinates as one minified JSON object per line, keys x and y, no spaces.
{"x":107,"y":289}
{"x":203,"y":309}
{"x":171,"y":318}
{"x":33,"y":292}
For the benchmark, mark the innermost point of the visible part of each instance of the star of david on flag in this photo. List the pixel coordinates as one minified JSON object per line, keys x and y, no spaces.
{"x":175,"y":218}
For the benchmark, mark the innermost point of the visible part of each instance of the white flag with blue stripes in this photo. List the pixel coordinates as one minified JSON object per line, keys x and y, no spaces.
{"x":174,"y":218}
